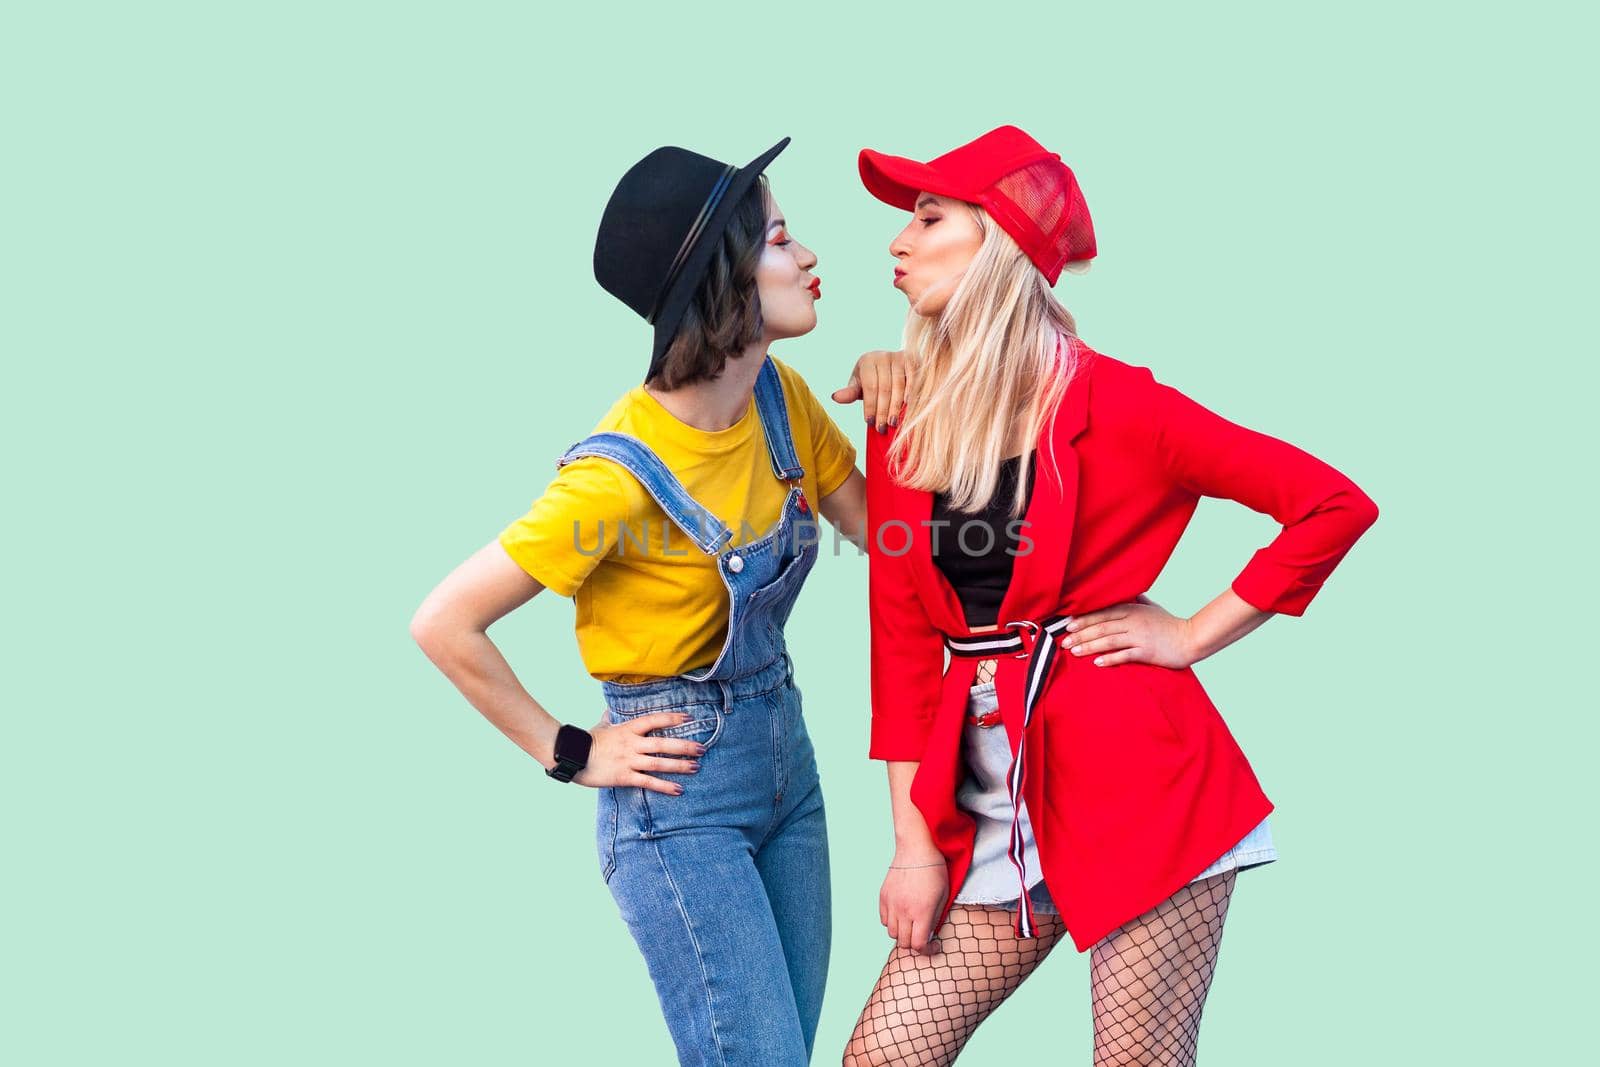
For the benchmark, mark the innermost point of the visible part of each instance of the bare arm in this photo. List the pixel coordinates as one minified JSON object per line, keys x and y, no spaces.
{"x":917,"y":881}
{"x":1221,"y":623}
{"x":846,"y":509}
{"x":451,"y":628}
{"x":913,"y":841}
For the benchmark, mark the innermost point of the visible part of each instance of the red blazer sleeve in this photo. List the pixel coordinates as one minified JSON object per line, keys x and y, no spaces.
{"x":1322,"y":511}
{"x":907,"y":651}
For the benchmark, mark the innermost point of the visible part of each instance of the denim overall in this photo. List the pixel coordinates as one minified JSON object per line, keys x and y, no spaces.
{"x":726,"y":887}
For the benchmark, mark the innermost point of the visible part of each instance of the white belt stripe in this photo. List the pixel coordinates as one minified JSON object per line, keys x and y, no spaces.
{"x":1039,"y":661}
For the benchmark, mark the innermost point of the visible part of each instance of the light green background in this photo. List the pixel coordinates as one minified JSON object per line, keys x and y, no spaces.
{"x":298,"y":313}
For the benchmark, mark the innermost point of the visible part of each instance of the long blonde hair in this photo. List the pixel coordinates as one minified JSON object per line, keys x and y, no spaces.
{"x":983,"y":367}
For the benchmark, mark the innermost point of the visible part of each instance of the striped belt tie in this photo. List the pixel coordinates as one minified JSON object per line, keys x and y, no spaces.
{"x":1036,"y":642}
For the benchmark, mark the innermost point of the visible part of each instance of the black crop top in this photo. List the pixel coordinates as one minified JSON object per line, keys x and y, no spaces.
{"x":972,"y":549}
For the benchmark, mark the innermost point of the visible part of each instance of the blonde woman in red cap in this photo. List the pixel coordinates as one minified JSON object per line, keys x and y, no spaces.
{"x":1067,"y":774}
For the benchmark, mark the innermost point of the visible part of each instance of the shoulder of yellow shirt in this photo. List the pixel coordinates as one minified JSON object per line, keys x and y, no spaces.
{"x":623,"y":494}
{"x":632,"y":497}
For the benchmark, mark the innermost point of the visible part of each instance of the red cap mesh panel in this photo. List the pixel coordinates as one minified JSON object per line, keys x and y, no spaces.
{"x":1046,"y":194}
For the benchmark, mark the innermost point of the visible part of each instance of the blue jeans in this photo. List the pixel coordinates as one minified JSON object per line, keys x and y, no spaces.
{"x":726,"y":888}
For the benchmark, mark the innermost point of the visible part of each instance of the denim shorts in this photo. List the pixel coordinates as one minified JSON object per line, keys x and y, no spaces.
{"x":991,"y":879}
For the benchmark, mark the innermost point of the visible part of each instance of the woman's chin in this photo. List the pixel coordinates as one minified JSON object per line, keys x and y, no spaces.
{"x":798,"y":328}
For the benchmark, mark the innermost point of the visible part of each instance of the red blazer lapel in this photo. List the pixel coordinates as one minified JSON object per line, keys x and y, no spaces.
{"x":1039,"y":573}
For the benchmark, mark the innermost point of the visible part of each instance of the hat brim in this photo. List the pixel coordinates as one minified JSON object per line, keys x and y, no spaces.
{"x":676,"y":301}
{"x":897,"y":180}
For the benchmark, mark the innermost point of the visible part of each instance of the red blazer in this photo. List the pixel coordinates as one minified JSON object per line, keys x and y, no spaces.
{"x":1134,"y":783}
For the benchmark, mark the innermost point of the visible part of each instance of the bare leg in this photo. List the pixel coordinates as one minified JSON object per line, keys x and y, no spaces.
{"x":1149,"y":977}
{"x":925,"y":1008}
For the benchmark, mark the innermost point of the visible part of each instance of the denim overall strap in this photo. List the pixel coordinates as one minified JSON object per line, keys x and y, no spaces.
{"x":703,"y":528}
{"x":775,"y":423}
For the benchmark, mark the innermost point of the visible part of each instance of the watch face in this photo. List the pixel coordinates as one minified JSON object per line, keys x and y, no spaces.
{"x":572,"y":746}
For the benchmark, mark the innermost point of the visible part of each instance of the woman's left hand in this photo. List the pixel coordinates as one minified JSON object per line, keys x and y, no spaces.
{"x":1139,"y":631}
{"x":879,"y":382}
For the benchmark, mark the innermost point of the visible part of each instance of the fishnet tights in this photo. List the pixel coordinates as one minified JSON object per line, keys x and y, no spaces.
{"x":924,"y":1008}
{"x":1148,"y":983}
{"x":985,"y":671}
{"x":1148,"y":979}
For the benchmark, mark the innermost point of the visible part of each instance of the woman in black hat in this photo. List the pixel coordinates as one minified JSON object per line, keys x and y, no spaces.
{"x":683,"y":529}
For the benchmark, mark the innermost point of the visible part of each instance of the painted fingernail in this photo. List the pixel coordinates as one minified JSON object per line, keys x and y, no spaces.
{"x":1071,"y":626}
{"x":695,"y":766}
{"x":1099,"y":661}
{"x":678,"y":791}
{"x":699,"y":749}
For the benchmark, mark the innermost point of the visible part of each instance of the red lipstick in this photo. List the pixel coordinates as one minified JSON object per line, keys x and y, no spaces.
{"x":816,"y":288}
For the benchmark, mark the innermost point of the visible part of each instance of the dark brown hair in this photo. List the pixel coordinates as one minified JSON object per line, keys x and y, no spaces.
{"x":724,"y":315}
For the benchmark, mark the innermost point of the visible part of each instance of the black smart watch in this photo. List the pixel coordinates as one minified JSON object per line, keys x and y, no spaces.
{"x":572,"y":752}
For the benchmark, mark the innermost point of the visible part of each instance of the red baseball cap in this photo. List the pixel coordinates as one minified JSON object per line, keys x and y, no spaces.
{"x":1023,"y":186}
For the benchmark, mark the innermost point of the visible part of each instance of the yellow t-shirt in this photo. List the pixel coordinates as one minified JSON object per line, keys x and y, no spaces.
{"x":655,"y":604}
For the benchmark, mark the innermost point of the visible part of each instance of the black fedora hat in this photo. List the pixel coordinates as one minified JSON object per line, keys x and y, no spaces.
{"x":659,"y":231}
